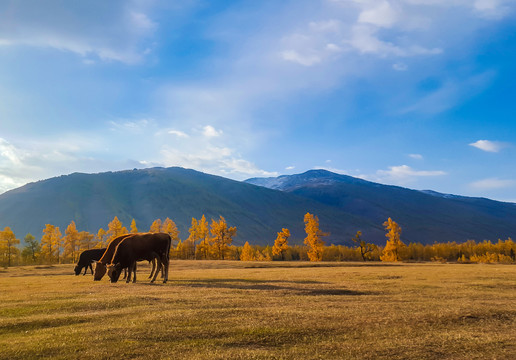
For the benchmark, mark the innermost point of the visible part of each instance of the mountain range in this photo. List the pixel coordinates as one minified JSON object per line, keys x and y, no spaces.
{"x":258,"y":207}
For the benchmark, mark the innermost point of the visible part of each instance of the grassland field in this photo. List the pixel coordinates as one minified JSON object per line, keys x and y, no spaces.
{"x":262,"y":310}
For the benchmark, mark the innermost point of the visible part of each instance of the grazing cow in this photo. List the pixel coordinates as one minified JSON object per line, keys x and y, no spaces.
{"x":100,"y":268}
{"x":140,"y":247}
{"x":86,"y":258}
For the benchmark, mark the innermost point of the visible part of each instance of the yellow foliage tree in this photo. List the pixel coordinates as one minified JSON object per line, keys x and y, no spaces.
{"x":281,"y":243}
{"x":155,"y":226}
{"x":51,"y":243}
{"x":101,"y":238}
{"x":222,"y":236}
{"x":169,"y":227}
{"x":8,"y":249}
{"x":247,"y":253}
{"x":86,"y":241}
{"x":391,"y":252}
{"x":115,"y":229}
{"x":134,"y":229}
{"x":314,"y":237}
{"x":199,"y":232}
{"x":72,"y":243}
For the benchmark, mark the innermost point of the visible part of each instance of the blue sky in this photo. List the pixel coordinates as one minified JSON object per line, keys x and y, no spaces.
{"x":417,"y":93}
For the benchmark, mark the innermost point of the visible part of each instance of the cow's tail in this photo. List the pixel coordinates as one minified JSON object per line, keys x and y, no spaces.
{"x":164,"y":269}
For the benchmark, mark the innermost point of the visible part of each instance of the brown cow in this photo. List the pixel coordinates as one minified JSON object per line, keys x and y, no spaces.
{"x":140,"y":247}
{"x":100,"y":268}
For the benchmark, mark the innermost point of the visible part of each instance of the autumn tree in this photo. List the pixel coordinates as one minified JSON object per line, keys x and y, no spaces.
{"x":391,"y":252}
{"x":365,"y":248}
{"x":72,"y":244}
{"x":8,"y":242}
{"x":134,"y":229}
{"x":170,"y":227}
{"x":199,"y":232}
{"x":155,"y":226}
{"x":281,"y":243}
{"x":247,"y":253}
{"x":86,"y":241}
{"x":32,"y":249}
{"x":313,"y":238}
{"x":115,"y":229}
{"x":222,"y":236}
{"x":51,"y":243}
{"x":101,"y":238}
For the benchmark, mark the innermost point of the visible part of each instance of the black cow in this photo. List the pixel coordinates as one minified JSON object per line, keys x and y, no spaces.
{"x":140,"y":247}
{"x":86,"y":258}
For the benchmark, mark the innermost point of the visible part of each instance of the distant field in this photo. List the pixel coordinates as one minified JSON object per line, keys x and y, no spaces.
{"x":254,"y":310}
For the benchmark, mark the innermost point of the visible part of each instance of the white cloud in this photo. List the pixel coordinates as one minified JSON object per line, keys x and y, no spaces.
{"x":116,"y":32}
{"x":488,"y":146}
{"x":32,"y":160}
{"x":178,"y":133}
{"x":132,"y":126}
{"x":210,"y":131}
{"x":492,"y":183}
{"x":416,"y":156}
{"x":382,"y":14}
{"x":404,"y":174}
{"x":290,"y":168}
{"x":306,"y":60}
{"x":221,"y":161}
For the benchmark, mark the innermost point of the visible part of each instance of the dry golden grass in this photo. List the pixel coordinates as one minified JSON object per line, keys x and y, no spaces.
{"x":250,"y":310}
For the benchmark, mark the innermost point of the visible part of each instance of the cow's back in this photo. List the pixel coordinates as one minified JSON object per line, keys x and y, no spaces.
{"x":140,"y":246}
{"x":87,"y":256}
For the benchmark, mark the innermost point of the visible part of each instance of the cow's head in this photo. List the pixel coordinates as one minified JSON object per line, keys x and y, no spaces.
{"x":100,"y":271}
{"x":77,"y":270}
{"x":114,"y":271}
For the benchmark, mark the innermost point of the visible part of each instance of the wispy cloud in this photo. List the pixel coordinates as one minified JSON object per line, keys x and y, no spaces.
{"x":116,"y":32}
{"x":492,"y":183}
{"x":416,"y":156}
{"x":404,"y":174}
{"x":178,"y":133}
{"x":488,"y":145}
{"x":213,"y":160}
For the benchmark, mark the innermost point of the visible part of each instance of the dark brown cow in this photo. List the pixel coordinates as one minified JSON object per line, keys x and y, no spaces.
{"x":100,"y":268}
{"x":140,"y":247}
{"x":86,"y":258}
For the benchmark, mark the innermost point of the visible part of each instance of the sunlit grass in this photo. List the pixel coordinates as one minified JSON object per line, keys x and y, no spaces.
{"x":269,"y":310}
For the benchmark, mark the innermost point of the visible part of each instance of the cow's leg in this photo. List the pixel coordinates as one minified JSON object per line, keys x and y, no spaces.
{"x":134,"y":272}
{"x":158,"y":262}
{"x":125,"y":273}
{"x":85,"y":270}
{"x":153,"y":261}
{"x":165,"y":263}
{"x":91,"y":268}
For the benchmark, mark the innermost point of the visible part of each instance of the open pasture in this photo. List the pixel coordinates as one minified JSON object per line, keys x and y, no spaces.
{"x":262,"y":310}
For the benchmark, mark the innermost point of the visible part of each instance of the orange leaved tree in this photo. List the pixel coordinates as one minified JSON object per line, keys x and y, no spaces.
{"x":391,"y":252}
{"x":222,"y":236}
{"x":281,"y":243}
{"x":314,"y":237}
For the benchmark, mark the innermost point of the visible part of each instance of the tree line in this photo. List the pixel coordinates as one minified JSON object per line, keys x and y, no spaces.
{"x":213,"y":241}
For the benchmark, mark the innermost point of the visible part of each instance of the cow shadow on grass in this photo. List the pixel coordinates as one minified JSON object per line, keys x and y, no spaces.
{"x":300,"y":287}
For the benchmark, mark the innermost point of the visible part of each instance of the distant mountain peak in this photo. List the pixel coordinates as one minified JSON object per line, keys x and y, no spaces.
{"x":314,"y":177}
